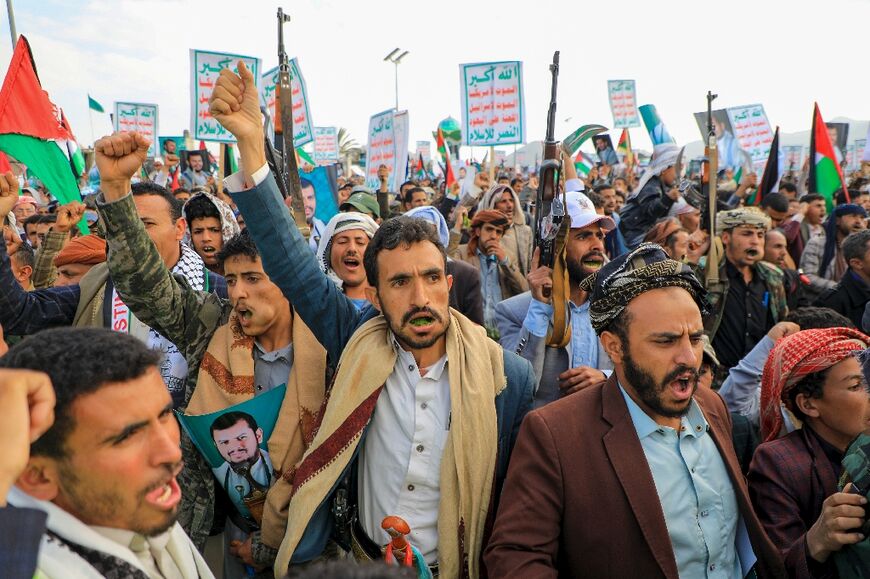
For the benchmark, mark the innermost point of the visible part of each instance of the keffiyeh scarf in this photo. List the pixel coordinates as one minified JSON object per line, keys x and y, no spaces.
{"x":173,"y":368}
{"x":794,"y":358}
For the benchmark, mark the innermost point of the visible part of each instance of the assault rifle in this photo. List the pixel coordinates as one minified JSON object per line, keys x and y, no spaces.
{"x":549,"y":207}
{"x":288,"y":169}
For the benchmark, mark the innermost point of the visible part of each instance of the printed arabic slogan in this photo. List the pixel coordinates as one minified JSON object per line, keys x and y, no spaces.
{"x":623,"y":103}
{"x":752,"y":132}
{"x":388,"y":139}
{"x":303,"y":132}
{"x":138,"y":117}
{"x":205,"y":67}
{"x":493,"y":107}
{"x":325,"y":145}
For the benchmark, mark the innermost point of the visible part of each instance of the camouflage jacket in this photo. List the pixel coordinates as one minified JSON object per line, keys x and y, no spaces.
{"x":44,"y":272}
{"x":186,"y":317}
{"x":717,"y":293}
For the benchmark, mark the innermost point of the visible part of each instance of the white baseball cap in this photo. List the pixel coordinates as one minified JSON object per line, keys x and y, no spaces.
{"x":583,"y":213}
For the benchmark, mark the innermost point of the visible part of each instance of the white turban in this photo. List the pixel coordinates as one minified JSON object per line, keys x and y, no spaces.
{"x":340,"y":223}
{"x":664,"y":156}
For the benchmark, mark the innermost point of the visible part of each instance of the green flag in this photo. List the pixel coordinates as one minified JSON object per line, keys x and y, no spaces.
{"x":95,"y":106}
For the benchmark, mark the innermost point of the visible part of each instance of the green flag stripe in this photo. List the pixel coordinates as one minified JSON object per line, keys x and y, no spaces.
{"x":45,"y":160}
{"x":827,"y":180}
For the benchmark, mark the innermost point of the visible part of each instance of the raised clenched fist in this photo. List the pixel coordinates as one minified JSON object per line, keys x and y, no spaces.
{"x":119,"y":156}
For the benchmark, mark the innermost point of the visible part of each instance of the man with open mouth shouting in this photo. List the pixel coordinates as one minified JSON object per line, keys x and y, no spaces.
{"x":750,"y":297}
{"x":642,"y":464}
{"x":210,"y":224}
{"x":423,"y":408}
{"x":105,"y":472}
{"x":340,"y":253}
{"x":524,"y":320}
{"x":239,"y":348}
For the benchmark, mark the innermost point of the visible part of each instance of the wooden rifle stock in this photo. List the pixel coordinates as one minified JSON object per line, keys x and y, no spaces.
{"x":712,"y":267}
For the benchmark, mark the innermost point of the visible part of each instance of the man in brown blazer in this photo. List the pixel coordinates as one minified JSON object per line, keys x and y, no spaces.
{"x":636,"y":477}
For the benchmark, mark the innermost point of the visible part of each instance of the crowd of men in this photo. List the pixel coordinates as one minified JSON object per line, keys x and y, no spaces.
{"x":630,"y":411}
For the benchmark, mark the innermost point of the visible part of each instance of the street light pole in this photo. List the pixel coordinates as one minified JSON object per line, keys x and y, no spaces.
{"x":12,"y":31}
{"x":391,"y":57}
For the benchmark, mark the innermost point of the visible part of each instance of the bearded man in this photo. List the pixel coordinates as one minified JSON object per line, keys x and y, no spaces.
{"x":635,"y":477}
{"x":525,"y":320}
{"x":423,"y":407}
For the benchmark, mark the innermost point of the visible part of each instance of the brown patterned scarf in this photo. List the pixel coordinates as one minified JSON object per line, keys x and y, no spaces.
{"x":226,"y":378}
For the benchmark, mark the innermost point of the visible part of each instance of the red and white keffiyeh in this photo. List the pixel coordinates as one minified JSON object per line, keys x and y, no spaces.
{"x":797,"y":356}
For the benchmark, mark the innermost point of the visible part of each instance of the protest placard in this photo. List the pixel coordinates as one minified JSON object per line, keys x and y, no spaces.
{"x":205,"y":67}
{"x":387,"y":145}
{"x":861,"y":151}
{"x":493,"y":107}
{"x":303,"y":132}
{"x":623,"y":103}
{"x":138,"y":117}
{"x":325,"y":145}
{"x":499,"y":158}
{"x":424,"y":148}
{"x":658,"y":133}
{"x":793,"y":156}
{"x":752,"y":132}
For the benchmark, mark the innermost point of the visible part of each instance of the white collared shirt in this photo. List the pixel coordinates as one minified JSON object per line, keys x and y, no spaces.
{"x":400,"y":462}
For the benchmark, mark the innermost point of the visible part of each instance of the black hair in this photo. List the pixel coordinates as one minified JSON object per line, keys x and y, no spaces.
{"x":305,"y":184}
{"x":149,"y":188}
{"x":816,"y":318}
{"x":602,"y":187}
{"x":409,"y":182}
{"x":79,"y":361}
{"x":515,"y":181}
{"x":775,"y":201}
{"x":200,"y":207}
{"x":811,"y":385}
{"x":619,"y":326}
{"x":787,"y":186}
{"x":230,"y":419}
{"x":178,"y":190}
{"x":810,"y":197}
{"x":409,"y":194}
{"x":239,"y":244}
{"x":36,"y":219}
{"x":404,"y":231}
{"x":596,"y":198}
{"x":842,"y":199}
{"x":855,"y":245}
{"x":24,"y":255}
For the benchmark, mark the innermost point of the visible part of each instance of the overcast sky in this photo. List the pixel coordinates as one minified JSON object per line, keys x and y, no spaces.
{"x":783,"y":54}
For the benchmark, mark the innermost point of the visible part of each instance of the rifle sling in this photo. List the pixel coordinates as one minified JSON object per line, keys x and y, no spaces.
{"x":560,"y":334}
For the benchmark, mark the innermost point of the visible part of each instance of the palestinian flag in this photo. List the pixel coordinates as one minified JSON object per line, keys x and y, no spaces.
{"x":442,"y":148}
{"x":583,"y":163}
{"x":33,"y":130}
{"x":770,"y":177}
{"x":826,"y":178}
{"x":230,"y":165}
{"x":421,"y":169}
{"x":624,"y":148}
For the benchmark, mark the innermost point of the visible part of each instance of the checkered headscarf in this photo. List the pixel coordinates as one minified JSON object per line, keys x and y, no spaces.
{"x":794,"y":358}
{"x":646,"y":268}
